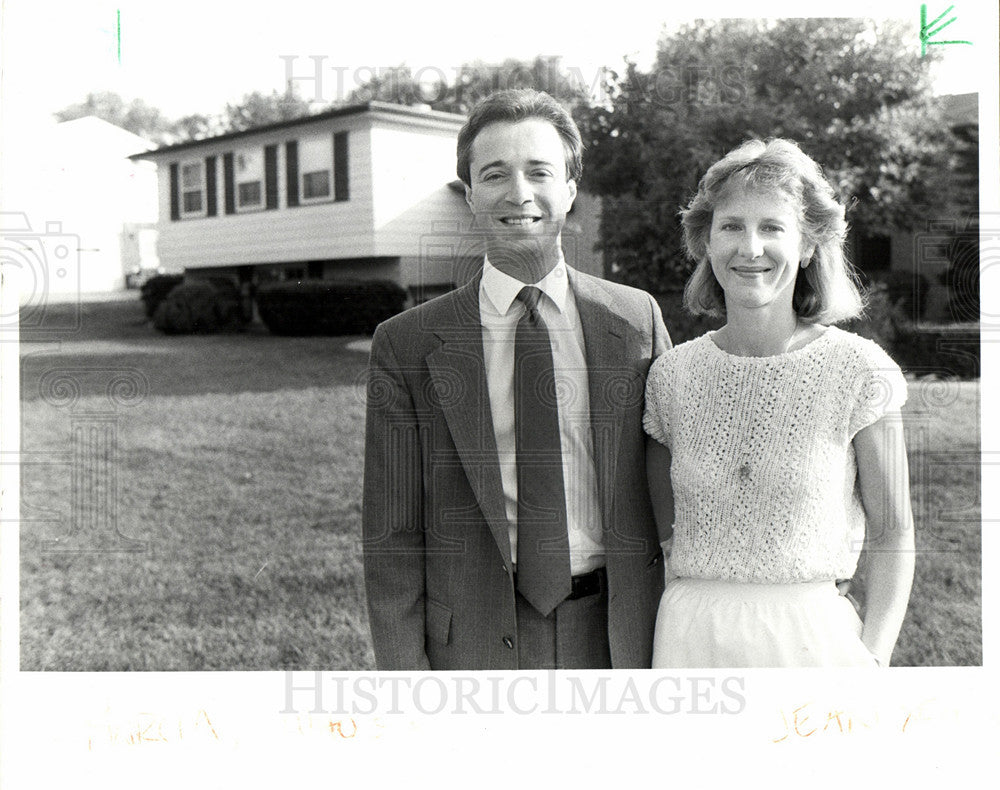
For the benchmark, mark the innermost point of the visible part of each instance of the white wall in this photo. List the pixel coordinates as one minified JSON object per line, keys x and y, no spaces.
{"x":85,"y":183}
{"x":299,"y":233}
{"x":411,"y":170}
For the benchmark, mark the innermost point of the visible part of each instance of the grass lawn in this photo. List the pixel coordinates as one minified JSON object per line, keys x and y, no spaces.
{"x":240,"y":469}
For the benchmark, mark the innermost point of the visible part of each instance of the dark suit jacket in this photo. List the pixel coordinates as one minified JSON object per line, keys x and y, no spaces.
{"x":436,"y":548}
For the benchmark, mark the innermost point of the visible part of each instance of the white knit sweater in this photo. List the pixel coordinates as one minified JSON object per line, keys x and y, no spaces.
{"x":763,"y":468}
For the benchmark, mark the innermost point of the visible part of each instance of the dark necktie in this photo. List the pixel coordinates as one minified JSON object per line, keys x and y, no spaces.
{"x":543,"y":573}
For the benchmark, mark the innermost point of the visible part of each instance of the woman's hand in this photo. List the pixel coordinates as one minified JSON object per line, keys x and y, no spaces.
{"x":668,"y":571}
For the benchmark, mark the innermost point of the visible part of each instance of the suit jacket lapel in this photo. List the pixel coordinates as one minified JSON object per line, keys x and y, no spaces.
{"x":604,"y":337}
{"x":458,"y":373}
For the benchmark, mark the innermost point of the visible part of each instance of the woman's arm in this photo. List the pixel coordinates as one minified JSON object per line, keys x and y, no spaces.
{"x":885,"y":493}
{"x":661,"y":493}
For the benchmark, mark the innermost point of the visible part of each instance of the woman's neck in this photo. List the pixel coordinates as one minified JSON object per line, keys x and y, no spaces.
{"x":760,"y":332}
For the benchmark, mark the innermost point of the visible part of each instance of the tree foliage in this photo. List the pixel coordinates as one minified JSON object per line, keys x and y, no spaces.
{"x":197,"y":126}
{"x":254,"y":109}
{"x":135,"y":116}
{"x":853,"y":93}
{"x":260,"y":109}
{"x":454,"y":92}
{"x":458,"y":92}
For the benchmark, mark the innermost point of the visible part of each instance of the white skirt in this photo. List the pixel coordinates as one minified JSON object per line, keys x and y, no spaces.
{"x":704,"y":623}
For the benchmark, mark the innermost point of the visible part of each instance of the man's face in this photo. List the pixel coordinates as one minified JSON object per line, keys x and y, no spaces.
{"x":520,"y":194}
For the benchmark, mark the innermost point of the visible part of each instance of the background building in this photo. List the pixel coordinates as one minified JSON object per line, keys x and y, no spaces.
{"x":360,"y":192}
{"x":86,"y":189}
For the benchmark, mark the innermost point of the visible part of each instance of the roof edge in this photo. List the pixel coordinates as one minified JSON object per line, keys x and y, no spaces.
{"x":336,"y":112}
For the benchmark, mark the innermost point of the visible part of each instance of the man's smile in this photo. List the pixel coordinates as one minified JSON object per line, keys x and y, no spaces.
{"x":520,"y":220}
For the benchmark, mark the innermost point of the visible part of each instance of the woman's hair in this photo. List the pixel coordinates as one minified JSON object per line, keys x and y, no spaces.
{"x":828,"y":289}
{"x":516,"y":105}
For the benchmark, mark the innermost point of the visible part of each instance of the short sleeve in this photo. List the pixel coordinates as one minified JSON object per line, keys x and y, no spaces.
{"x":659,"y":386}
{"x":881,"y":388}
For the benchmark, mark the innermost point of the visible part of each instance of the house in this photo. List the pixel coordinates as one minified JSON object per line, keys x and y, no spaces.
{"x":86,"y":190}
{"x":364,"y":191}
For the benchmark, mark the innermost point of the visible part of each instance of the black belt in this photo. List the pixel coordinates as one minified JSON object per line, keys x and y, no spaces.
{"x":585,"y":584}
{"x":589,"y":584}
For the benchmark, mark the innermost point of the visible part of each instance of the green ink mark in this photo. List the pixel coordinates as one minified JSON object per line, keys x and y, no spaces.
{"x":118,"y":15}
{"x":929,"y":31}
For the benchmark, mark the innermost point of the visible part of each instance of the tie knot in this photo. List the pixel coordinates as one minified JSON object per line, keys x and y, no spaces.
{"x":530,"y":296}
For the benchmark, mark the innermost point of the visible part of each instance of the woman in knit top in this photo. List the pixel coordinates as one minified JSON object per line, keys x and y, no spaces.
{"x":776,"y":444}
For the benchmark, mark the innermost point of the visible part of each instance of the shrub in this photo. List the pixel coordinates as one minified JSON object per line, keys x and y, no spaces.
{"x":155,"y":290}
{"x":943,"y":351}
{"x":199,"y":306}
{"x":882,"y":318}
{"x":317,"y":307}
{"x":947,"y":351}
{"x":909,"y":292}
{"x":235,"y":310}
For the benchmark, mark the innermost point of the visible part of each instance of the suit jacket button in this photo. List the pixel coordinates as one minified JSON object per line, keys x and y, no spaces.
{"x":508,"y":642}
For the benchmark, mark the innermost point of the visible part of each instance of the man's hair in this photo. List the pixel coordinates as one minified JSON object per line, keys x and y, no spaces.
{"x":511,"y":106}
{"x":827,"y":290}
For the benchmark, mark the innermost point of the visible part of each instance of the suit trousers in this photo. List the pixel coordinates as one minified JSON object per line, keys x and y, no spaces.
{"x":573,"y":636}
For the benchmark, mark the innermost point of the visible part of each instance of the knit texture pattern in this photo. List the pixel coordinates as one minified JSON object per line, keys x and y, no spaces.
{"x":763,"y":469}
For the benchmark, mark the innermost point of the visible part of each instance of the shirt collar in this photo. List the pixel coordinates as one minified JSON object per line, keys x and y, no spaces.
{"x":502,"y":289}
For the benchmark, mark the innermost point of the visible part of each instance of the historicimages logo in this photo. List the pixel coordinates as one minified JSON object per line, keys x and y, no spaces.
{"x":38,"y":266}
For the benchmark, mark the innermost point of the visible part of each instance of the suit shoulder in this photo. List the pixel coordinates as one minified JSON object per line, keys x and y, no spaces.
{"x":618,"y":289}
{"x":454,"y":307}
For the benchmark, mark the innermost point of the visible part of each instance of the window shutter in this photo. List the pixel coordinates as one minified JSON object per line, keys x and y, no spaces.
{"x":292,"y":171}
{"x":229,"y":178}
{"x":341,"y":190}
{"x":270,"y":176}
{"x":175,"y":192}
{"x":210,"y":196}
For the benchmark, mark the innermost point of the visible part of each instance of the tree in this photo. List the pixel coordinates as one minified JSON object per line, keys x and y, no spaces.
{"x":395,"y":85}
{"x":259,"y":109}
{"x":135,"y":116}
{"x":853,"y":93}
{"x":197,"y":126}
{"x":471,"y":82}
{"x":476,"y":80}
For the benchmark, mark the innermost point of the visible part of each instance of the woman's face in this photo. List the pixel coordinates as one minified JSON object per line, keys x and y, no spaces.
{"x":756,"y":248}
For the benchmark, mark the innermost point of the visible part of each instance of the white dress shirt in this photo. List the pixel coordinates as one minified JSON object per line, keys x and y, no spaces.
{"x":500,"y":312}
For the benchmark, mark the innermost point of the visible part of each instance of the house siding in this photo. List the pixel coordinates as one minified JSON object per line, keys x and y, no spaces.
{"x":287,"y":233}
{"x":410,"y":176}
{"x":402,"y":218}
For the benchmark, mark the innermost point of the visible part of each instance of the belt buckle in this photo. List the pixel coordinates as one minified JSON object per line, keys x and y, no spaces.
{"x":588,"y":584}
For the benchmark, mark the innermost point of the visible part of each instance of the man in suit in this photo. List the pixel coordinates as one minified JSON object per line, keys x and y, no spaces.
{"x":506,"y":519}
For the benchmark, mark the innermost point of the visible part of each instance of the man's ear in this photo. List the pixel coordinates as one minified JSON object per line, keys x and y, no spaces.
{"x":571,"y":186}
{"x":468,"y":195}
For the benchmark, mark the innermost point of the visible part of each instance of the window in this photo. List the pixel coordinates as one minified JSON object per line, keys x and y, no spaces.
{"x":316,"y":166}
{"x":192,"y":188}
{"x":316,"y":184}
{"x":249,"y":180}
{"x":249,"y":193}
